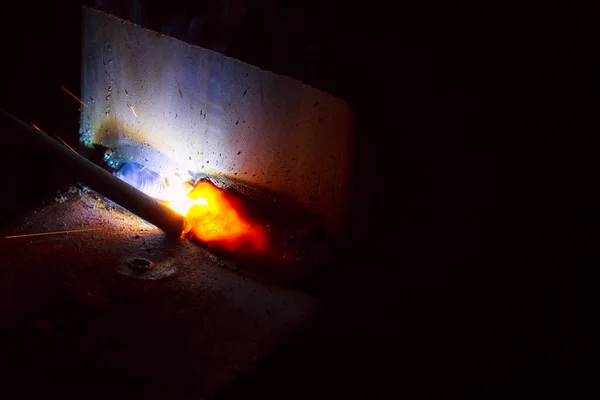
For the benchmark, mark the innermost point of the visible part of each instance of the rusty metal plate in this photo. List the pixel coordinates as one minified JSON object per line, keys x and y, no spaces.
{"x":197,"y":328}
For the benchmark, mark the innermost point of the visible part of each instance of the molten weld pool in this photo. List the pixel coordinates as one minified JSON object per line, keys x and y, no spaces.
{"x":217,"y":217}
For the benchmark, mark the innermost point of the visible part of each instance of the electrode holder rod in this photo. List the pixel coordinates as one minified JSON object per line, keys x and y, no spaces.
{"x":89,"y":174}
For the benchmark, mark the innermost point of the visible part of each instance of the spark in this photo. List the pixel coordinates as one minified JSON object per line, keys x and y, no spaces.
{"x":59,"y":138}
{"x":66,"y":144}
{"x":51,"y":233}
{"x":133,"y":111}
{"x":75,"y":97}
{"x":37,"y":128}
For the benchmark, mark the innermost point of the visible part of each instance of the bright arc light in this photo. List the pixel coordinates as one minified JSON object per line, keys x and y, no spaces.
{"x":176,"y":197}
{"x":182,"y":204}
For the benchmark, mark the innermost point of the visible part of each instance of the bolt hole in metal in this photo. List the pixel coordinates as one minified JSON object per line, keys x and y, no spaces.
{"x":141,"y":263}
{"x":143,"y":268}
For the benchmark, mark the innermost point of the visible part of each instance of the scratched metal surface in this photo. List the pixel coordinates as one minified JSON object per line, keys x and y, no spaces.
{"x":176,"y":108}
{"x":195,"y":330}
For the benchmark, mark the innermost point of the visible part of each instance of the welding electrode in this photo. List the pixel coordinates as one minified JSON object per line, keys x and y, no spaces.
{"x":89,"y":174}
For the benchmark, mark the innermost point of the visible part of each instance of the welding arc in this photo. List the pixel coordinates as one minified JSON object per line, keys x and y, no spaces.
{"x":80,"y":169}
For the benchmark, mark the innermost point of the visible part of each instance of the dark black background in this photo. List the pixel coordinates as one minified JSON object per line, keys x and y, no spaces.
{"x":474,"y":208}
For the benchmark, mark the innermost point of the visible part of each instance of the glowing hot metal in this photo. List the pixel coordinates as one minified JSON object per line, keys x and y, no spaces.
{"x":216,"y":217}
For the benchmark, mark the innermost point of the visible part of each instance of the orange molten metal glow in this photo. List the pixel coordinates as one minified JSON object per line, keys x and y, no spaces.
{"x":216,"y":217}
